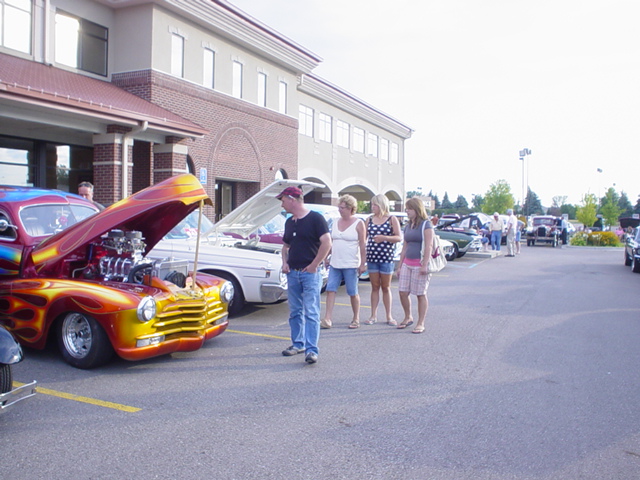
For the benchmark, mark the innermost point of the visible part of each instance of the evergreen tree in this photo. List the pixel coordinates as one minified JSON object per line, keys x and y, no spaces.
{"x":636,"y":209}
{"x":446,"y":203}
{"x":532,"y":205}
{"x":461,"y":203}
{"x":625,"y":205}
{"x":478,"y":200}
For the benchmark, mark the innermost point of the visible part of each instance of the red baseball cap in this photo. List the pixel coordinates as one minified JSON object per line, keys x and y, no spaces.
{"x":290,"y":191}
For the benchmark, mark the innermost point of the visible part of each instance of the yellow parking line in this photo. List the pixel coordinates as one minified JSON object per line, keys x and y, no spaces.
{"x":78,"y":398}
{"x":257,"y":334}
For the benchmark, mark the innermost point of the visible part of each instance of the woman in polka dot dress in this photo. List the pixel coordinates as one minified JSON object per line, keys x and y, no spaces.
{"x":383,"y":232}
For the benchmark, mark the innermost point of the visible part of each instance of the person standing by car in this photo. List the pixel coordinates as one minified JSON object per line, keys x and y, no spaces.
{"x":495,"y":230}
{"x":85,"y":189}
{"x":413,"y":270}
{"x":512,"y":226}
{"x":348,"y":236}
{"x":306,"y":244}
{"x":383,"y":232}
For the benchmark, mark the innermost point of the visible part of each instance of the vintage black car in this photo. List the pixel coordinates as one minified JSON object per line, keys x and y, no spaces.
{"x":632,"y":250}
{"x":544,"y":229}
{"x":10,"y":354}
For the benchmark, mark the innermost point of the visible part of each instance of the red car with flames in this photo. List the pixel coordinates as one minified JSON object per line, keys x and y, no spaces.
{"x":84,"y":276}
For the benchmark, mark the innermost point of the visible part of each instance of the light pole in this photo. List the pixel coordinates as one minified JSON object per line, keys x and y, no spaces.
{"x":523,"y":153}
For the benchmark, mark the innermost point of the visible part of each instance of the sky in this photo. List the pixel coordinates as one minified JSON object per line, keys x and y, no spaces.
{"x":480,"y":80}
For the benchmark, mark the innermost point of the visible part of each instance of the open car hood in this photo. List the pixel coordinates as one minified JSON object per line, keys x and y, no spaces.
{"x":258,"y":210}
{"x":153,"y":211}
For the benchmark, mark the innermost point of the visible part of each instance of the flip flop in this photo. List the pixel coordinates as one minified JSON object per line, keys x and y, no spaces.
{"x":371,"y":321}
{"x":354,"y":324}
{"x":418,"y":329}
{"x":405,"y":324}
{"x":392,"y":322}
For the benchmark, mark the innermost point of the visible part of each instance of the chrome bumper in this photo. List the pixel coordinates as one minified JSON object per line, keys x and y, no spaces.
{"x":17,"y":394}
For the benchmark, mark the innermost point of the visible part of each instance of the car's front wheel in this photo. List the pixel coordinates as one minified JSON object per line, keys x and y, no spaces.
{"x":454,"y":252}
{"x":635,"y":265}
{"x":6,"y":379}
{"x":83,"y":342}
{"x":237,"y":302}
{"x":627,"y":260}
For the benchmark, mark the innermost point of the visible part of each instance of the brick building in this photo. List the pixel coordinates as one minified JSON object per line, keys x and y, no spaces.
{"x":126,"y":93}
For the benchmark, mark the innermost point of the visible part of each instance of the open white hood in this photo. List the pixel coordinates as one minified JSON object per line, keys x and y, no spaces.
{"x":258,"y":210}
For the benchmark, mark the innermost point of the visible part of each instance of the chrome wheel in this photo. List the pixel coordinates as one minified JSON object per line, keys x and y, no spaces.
{"x":76,"y":335}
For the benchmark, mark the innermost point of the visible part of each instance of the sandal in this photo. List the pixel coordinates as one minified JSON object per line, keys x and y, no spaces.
{"x":354,"y":324}
{"x":325,"y":323}
{"x":418,"y":329}
{"x":406,"y":323}
{"x":371,"y":321}
{"x":392,"y":322}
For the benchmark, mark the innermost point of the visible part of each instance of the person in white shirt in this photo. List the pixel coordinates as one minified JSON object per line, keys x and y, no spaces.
{"x":512,"y":226}
{"x":495,"y":230}
{"x":348,"y":236}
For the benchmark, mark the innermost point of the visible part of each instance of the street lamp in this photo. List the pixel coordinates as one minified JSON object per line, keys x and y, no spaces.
{"x":523,"y":153}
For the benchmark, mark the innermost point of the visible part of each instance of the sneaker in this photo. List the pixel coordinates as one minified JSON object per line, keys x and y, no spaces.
{"x":311,"y":357}
{"x":292,"y":351}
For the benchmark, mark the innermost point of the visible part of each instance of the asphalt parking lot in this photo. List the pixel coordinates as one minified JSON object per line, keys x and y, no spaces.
{"x":528,"y":370}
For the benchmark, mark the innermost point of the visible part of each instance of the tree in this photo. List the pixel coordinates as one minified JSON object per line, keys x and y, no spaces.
{"x":532,"y":205}
{"x":586,"y":214}
{"x":498,"y":198}
{"x":415,"y":193}
{"x":636,"y":209}
{"x":610,"y":209}
{"x":478,"y":200}
{"x":625,"y":205}
{"x":461,"y":203}
{"x":569,"y":210}
{"x":446,"y":203}
{"x":556,"y":205}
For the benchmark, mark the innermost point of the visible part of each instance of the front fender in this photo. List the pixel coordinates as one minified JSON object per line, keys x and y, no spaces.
{"x":10,"y":351}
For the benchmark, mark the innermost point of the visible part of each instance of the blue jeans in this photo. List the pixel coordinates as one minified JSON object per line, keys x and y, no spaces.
{"x":496,"y":238}
{"x":304,"y":309}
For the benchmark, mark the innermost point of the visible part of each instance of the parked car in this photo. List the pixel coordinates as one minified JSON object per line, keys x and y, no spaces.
{"x":86,"y":277}
{"x":544,"y":229}
{"x":252,"y":266}
{"x":10,"y":354}
{"x":632,"y":250}
{"x":462,"y":240}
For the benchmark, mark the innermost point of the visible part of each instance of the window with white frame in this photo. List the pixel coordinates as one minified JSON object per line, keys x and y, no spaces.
{"x":358,"y":140}
{"x":81,"y":44}
{"x":15,"y":24}
{"x":393,"y":159}
{"x":262,"y":89}
{"x":282,"y":97}
{"x":236,"y":86}
{"x":305,"y":120}
{"x":384,"y":149}
{"x":177,"y":55}
{"x":209,"y":68}
{"x":372,"y":144}
{"x":325,"y":122}
{"x":342,"y":134}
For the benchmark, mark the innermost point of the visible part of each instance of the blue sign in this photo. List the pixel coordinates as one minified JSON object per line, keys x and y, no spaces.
{"x":203,"y":176}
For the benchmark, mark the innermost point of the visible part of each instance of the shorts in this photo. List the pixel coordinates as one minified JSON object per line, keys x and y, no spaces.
{"x":412,"y":281}
{"x":518,"y":236}
{"x":337,"y":275}
{"x":383,"y":268}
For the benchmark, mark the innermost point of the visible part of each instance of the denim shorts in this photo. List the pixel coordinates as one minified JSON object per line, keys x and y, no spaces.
{"x":337,"y":275}
{"x":384,"y":268}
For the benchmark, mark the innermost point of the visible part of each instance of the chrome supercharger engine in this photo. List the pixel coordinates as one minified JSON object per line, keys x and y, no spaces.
{"x":119,"y":257}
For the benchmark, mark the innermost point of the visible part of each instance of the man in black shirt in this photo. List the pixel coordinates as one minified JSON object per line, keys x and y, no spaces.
{"x":306,"y":244}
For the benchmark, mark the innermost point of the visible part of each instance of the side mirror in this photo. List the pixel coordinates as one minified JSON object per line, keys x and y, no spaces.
{"x":4,"y":225}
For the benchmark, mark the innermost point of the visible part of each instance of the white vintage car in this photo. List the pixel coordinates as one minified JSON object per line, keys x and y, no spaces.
{"x":231,"y":248}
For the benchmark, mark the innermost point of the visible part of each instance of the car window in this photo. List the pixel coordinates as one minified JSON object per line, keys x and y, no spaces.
{"x":41,"y":220}
{"x":188,"y":227}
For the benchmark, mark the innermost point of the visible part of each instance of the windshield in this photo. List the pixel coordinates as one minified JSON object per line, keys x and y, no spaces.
{"x":544,"y":221}
{"x":42,"y":220}
{"x":188,"y":226}
{"x":275,"y":225}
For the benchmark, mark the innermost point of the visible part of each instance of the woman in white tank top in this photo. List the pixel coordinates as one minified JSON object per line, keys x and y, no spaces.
{"x":347,"y":260}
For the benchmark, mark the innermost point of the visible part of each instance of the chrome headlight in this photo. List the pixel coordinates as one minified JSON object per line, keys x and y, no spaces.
{"x":146,"y":309}
{"x":226,"y":292}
